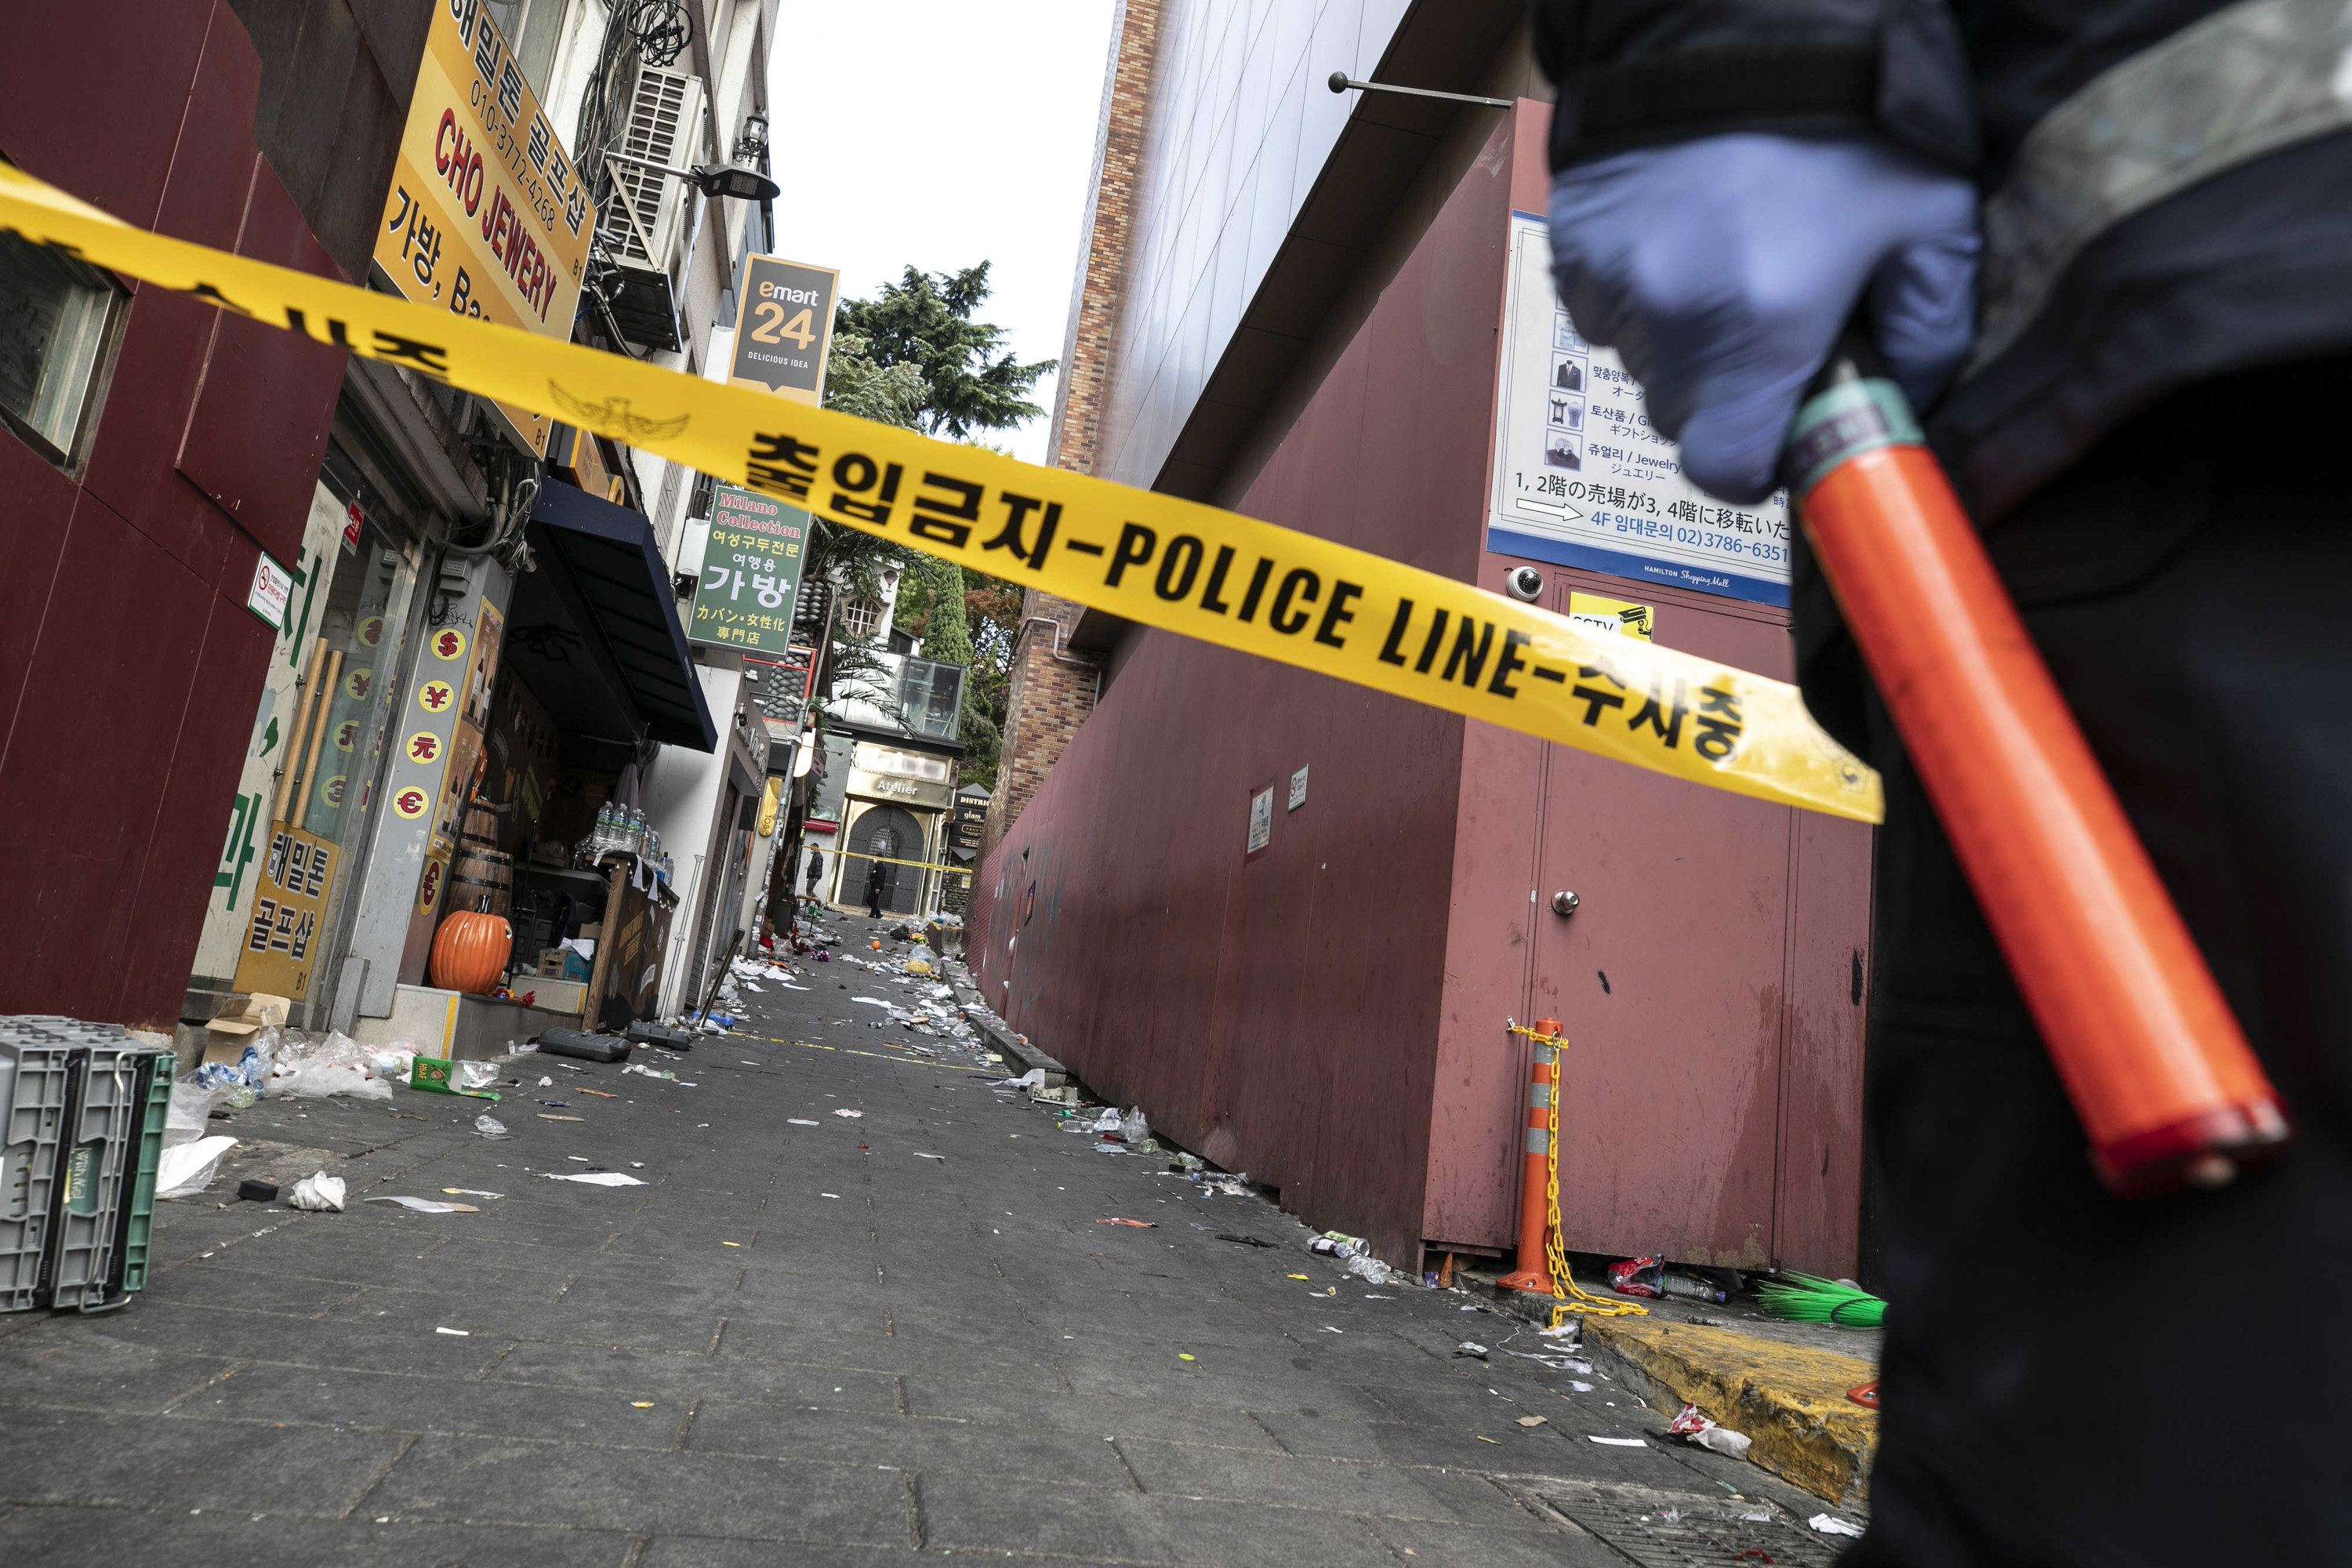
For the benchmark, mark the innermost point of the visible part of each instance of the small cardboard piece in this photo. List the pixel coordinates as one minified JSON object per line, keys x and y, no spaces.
{"x":241,"y":1017}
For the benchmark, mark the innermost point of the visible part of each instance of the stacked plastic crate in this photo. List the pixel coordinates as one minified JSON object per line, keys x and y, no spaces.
{"x":82,"y":1132}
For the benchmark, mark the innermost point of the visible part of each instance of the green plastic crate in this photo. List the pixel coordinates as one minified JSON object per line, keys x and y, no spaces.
{"x":109,"y":1089}
{"x":139,"y":1214}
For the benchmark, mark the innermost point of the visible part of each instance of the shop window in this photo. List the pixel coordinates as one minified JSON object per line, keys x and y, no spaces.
{"x":55,"y":315}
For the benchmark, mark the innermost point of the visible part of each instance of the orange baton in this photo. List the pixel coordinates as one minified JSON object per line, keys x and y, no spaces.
{"x":2166,"y":1087}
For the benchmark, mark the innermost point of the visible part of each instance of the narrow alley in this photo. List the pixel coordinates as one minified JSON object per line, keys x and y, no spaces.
{"x":867,"y":1303}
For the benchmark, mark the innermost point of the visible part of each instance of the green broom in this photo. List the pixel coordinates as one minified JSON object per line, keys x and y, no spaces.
{"x":1812,"y":1299}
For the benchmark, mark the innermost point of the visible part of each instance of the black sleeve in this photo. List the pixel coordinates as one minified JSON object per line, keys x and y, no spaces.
{"x":1637,"y":72}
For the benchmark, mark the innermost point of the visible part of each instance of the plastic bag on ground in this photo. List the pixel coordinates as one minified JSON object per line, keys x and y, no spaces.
{"x":311,"y":1079}
{"x":1133,"y":1127}
{"x":318,"y":1191}
{"x":185,"y":1170}
{"x":1706,"y":1434}
{"x":477,"y":1075}
{"x":1365,"y":1266}
{"x":191,"y":1107}
{"x":490,"y":1126}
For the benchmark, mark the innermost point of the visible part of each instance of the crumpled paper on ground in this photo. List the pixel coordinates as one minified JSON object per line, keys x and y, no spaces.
{"x":318,"y":1191}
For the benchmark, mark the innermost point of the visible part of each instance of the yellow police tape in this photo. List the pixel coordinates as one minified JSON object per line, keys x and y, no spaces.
{"x":1165,"y":562}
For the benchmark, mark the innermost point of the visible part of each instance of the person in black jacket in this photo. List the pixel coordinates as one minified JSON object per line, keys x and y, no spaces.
{"x":2107,"y":248}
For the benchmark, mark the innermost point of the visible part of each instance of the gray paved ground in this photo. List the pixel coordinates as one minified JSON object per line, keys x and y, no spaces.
{"x":733,"y":1365}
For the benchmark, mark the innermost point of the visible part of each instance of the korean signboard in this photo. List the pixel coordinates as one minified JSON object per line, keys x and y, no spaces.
{"x":783,"y":328}
{"x":1582,"y":479}
{"x":487,"y":216}
{"x":751,"y":574}
{"x":970,"y":823}
{"x":288,"y":923}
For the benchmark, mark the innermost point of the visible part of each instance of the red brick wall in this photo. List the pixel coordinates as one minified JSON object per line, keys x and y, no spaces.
{"x":1052,"y":690}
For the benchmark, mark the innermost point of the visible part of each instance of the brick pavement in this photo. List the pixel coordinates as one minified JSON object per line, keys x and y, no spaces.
{"x":728,"y":1366}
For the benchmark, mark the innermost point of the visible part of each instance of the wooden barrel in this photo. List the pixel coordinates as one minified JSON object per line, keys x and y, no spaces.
{"x":476,"y":874}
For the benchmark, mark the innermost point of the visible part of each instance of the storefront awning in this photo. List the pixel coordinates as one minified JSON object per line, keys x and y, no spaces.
{"x":602,"y":580}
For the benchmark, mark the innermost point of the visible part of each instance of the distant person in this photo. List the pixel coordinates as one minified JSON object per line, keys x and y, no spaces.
{"x":876,"y":875}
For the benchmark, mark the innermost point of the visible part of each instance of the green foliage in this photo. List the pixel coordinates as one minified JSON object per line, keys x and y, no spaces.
{"x":923,"y":322}
{"x":912,"y":356}
{"x":856,"y":383}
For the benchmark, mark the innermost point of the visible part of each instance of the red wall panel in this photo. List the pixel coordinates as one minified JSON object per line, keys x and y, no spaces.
{"x":260,"y":425}
{"x":1280,"y":1013}
{"x":87,"y":766}
{"x":133,"y":664}
{"x":52,"y":96}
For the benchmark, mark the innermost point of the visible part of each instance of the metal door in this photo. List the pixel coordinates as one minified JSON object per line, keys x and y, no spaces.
{"x":888,"y":833}
{"x":1668,"y":974}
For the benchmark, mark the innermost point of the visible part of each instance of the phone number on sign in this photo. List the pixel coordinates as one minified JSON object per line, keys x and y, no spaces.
{"x":1703,"y":539}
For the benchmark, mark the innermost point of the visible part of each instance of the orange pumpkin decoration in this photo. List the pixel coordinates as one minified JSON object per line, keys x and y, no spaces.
{"x":470,"y":951}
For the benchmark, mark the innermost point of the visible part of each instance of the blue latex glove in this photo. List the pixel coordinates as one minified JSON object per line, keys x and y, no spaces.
{"x":1722,"y":270}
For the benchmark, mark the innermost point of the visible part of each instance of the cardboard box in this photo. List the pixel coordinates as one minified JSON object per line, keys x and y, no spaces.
{"x":239,"y":1019}
{"x":562,"y":964}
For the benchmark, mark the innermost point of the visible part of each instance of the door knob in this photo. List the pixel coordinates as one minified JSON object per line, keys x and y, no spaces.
{"x":1563,"y":903}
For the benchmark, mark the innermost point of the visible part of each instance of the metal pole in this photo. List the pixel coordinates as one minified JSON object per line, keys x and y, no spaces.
{"x":1342,"y":81}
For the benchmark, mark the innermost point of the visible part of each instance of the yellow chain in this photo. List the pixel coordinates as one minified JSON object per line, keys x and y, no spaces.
{"x":1573,"y":1298}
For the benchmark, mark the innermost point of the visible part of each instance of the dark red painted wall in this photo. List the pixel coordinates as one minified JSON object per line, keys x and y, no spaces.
{"x":1279,"y":1013}
{"x":128,"y":666}
{"x":1332,"y":1014}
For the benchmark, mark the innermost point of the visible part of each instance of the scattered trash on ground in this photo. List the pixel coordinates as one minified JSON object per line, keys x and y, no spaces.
{"x":425,"y":1206}
{"x":1831,"y":1524}
{"x":1706,"y":1434}
{"x":1617,"y":1442}
{"x":550,"y":1116}
{"x":461,"y":1333}
{"x":1531,"y":1420}
{"x":1471,"y":1348}
{"x":801,"y":1121}
{"x":319,"y":1192}
{"x":846,"y":1112}
{"x":1138,"y":1224}
{"x":490,"y":1126}
{"x":595,"y":1178}
{"x":923,"y":1156}
{"x":257,"y":1191}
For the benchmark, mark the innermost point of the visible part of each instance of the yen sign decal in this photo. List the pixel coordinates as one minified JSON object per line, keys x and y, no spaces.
{"x":424,"y":746}
{"x":355,"y":684}
{"x":448,"y":643}
{"x":411,"y":801}
{"x":435,"y":696}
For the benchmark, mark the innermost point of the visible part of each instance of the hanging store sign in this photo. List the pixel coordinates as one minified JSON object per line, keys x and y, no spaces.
{"x":1582,"y":477}
{"x":487,"y":217}
{"x":751,"y":574}
{"x":783,"y":328}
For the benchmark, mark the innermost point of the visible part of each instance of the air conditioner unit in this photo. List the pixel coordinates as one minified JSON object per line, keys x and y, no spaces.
{"x":664,"y":127}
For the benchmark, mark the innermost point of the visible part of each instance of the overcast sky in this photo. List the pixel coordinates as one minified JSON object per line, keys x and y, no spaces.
{"x":940,"y":135}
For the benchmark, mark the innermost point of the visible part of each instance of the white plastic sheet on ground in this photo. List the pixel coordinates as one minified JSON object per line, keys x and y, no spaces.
{"x":187,"y":1169}
{"x":594,"y":1178}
